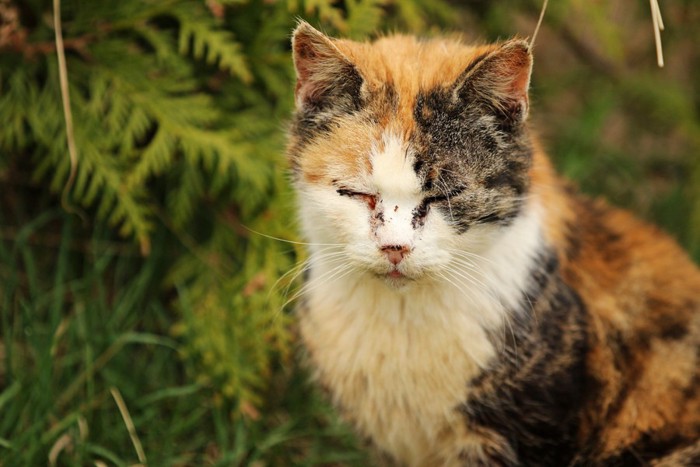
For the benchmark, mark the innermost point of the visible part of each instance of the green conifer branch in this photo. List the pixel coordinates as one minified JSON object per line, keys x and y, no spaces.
{"x":200,"y":35}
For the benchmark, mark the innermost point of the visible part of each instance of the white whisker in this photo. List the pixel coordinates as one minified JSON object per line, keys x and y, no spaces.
{"x":471,"y":255}
{"x":446,"y":192}
{"x":293,"y":242}
{"x":464,"y":273}
{"x":467,"y":260}
{"x":302,"y":266}
{"x":337,"y":272}
{"x":506,"y":316}
{"x":461,"y":290}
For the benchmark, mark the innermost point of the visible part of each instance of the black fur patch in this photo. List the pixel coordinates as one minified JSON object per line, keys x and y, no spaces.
{"x":649,"y":449}
{"x":531,"y":397}
{"x":342,"y":97}
{"x":460,"y":144}
{"x":343,"y":93}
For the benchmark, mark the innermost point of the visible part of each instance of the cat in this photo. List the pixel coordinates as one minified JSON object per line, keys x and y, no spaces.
{"x":463,"y":304}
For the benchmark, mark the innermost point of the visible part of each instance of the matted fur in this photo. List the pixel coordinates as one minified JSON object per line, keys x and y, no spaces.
{"x":463,"y":305}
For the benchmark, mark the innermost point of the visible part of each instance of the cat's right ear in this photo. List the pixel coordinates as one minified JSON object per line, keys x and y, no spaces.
{"x":500,"y":80}
{"x":325,"y":76}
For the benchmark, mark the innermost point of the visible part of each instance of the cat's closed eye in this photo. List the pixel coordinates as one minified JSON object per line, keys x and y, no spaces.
{"x":369,"y":198}
{"x":444,"y":196}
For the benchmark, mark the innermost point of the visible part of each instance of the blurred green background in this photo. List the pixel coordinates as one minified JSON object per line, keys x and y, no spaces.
{"x":145,"y":310}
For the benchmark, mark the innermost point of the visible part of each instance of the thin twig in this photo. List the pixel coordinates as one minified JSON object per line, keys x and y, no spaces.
{"x":129,"y":424}
{"x":65,"y":98}
{"x":539,"y":23}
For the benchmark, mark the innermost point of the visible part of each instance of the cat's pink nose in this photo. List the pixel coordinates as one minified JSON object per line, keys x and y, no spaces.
{"x":395,"y":253}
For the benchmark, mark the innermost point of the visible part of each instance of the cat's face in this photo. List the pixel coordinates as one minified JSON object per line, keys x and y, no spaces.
{"x":408,"y":156}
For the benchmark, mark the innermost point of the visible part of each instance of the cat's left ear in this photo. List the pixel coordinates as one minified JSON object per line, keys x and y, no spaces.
{"x":325,"y":76}
{"x":500,"y":80}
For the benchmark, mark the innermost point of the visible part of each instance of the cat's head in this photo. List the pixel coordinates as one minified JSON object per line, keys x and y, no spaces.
{"x":407,"y":153}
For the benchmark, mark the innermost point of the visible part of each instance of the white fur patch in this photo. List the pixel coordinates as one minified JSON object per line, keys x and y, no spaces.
{"x":398,"y":359}
{"x":392,"y":168}
{"x":399,"y":189}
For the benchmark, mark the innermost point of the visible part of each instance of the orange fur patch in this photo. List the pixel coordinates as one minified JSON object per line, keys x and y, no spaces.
{"x":410,"y":66}
{"x":349,"y":158}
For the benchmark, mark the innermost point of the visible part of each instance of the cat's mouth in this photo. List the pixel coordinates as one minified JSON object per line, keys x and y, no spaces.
{"x":395,"y":279}
{"x":392,"y":275}
{"x":395,"y":274}
{"x":399,"y":275}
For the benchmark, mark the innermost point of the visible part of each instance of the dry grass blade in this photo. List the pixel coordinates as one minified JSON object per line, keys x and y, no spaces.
{"x":129,"y":424}
{"x":658,"y":23}
{"x":63,"y":442}
{"x":539,"y":23}
{"x":68,"y":115}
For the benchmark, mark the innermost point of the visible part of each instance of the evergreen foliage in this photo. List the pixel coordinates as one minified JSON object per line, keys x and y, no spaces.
{"x":169,"y":285}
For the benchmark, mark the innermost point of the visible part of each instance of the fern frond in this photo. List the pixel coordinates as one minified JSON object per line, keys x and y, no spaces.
{"x":364,"y":17}
{"x":186,"y":192}
{"x":135,"y":128}
{"x":120,"y":205}
{"x":327,"y":12}
{"x":14,"y":108}
{"x":160,"y":41}
{"x":200,"y":36}
{"x":155,"y":159}
{"x":223,"y":323}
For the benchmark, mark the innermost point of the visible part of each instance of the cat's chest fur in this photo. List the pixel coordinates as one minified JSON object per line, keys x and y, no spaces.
{"x":398,"y":364}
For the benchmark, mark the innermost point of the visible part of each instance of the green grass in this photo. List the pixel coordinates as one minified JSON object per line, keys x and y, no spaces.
{"x":84,"y":317}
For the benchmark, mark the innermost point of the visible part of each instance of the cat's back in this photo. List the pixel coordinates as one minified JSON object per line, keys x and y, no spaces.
{"x":642,"y":295}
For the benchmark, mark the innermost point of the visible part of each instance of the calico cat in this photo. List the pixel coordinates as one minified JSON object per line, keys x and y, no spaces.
{"x":463,"y":305}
